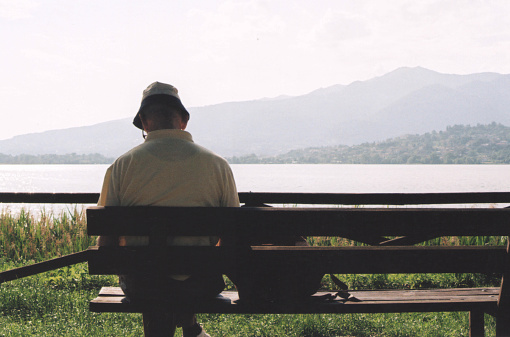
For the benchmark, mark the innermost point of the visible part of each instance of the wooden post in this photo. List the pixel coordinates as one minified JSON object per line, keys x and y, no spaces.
{"x":503,"y":314}
{"x":45,"y":266}
{"x":476,"y":323}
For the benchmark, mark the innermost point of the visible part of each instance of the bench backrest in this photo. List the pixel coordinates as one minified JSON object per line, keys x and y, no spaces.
{"x":370,"y":226}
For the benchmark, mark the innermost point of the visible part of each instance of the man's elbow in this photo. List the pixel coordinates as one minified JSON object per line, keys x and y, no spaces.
{"x":105,"y":241}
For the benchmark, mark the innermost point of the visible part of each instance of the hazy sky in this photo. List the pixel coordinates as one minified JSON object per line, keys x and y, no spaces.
{"x":72,"y":63}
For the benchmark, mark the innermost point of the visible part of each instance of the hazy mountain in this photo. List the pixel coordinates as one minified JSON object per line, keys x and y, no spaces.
{"x":109,"y":139}
{"x":458,"y":144}
{"x":407,"y":100}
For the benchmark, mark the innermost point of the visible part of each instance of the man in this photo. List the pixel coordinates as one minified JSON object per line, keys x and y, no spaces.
{"x":168,"y":169}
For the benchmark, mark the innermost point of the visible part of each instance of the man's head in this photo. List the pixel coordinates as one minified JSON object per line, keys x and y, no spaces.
{"x":161,"y":108}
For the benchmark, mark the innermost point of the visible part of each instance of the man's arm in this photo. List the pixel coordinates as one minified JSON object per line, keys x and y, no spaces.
{"x":230,"y":197}
{"x":104,"y":200}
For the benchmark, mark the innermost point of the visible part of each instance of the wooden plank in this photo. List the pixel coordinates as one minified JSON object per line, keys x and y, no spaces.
{"x":394,"y":295}
{"x":123,"y":304}
{"x":503,"y":313}
{"x":341,"y":260}
{"x":481,"y":299}
{"x":408,"y":240}
{"x":247,"y":221}
{"x":50,"y":198}
{"x":398,"y":295}
{"x":111,"y":291}
{"x":42,"y":267}
{"x":257,"y":199}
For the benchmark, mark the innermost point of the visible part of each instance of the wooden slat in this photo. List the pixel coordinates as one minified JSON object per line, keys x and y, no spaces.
{"x":483,"y":299}
{"x":341,"y":260}
{"x":42,"y":267}
{"x":298,"y":221}
{"x":503,"y":316}
{"x":49,"y":198}
{"x":256,"y":199}
{"x":408,"y":240}
{"x":116,"y":303}
{"x":259,"y":198}
{"x":111,"y":291}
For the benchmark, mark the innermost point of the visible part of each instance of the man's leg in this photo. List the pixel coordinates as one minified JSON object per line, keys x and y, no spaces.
{"x":157,"y":323}
{"x":189,"y":324}
{"x":201,"y":287}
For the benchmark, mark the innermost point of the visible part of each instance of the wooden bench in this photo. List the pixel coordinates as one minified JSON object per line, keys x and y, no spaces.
{"x":391,"y":238}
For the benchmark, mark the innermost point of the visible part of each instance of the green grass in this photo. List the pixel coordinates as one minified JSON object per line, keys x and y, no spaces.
{"x":55,"y":303}
{"x":38,"y":306}
{"x":34,"y":307}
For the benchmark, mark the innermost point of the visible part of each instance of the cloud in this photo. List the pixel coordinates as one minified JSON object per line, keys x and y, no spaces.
{"x":17,"y":9}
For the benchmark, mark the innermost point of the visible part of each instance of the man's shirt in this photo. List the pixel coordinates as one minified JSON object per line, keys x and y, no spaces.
{"x":169,"y":169}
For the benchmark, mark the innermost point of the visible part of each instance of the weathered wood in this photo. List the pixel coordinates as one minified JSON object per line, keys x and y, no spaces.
{"x":42,"y":267}
{"x":341,"y":260}
{"x":408,"y":240}
{"x":503,"y":315}
{"x":476,"y":323}
{"x":374,"y":226}
{"x":249,"y":221}
{"x":374,"y":301}
{"x":49,"y":198}
{"x":258,"y":198}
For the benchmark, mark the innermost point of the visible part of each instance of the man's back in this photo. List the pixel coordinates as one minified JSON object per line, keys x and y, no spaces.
{"x":170,"y":170}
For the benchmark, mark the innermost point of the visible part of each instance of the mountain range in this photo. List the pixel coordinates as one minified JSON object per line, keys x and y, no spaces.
{"x":458,"y":144}
{"x":404,"y":101}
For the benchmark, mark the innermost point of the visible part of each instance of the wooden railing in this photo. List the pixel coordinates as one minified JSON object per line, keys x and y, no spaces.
{"x":259,"y":198}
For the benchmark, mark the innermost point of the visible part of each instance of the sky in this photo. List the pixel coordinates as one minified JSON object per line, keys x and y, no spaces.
{"x":82,"y":62}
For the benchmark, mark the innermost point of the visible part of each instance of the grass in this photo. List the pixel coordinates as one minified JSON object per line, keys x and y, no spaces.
{"x":55,"y":303}
{"x":445,"y":241}
{"x":34,"y":307}
{"x":37,"y":306}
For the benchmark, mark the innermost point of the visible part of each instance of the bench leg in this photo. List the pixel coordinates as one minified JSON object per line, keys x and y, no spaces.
{"x":476,"y":323}
{"x":503,"y":325}
{"x":158,"y":323}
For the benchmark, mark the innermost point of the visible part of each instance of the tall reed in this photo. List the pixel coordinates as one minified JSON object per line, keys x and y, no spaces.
{"x":24,"y":237}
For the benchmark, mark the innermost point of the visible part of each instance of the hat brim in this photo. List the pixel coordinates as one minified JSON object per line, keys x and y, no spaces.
{"x":159,"y":98}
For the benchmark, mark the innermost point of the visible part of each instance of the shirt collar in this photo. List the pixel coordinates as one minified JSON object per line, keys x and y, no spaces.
{"x":169,"y":133}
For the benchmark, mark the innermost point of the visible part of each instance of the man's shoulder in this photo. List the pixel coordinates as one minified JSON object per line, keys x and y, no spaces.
{"x":127,"y":156}
{"x":191,"y":150}
{"x":207,"y":153}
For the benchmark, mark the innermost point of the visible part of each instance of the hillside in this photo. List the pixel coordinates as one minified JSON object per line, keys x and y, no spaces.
{"x":71,"y":158}
{"x":404,"y":101}
{"x":481,"y":144}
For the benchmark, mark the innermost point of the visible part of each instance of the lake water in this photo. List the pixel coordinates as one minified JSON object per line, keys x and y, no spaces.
{"x":328,"y":178}
{"x":285,"y":178}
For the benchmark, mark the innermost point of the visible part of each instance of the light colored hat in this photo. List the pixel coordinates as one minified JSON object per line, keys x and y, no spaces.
{"x":159,"y":92}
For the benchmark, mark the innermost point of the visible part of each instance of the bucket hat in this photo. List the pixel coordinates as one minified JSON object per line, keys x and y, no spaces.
{"x":159,"y":92}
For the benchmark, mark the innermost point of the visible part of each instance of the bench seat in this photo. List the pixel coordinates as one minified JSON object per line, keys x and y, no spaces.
{"x":112,"y":299}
